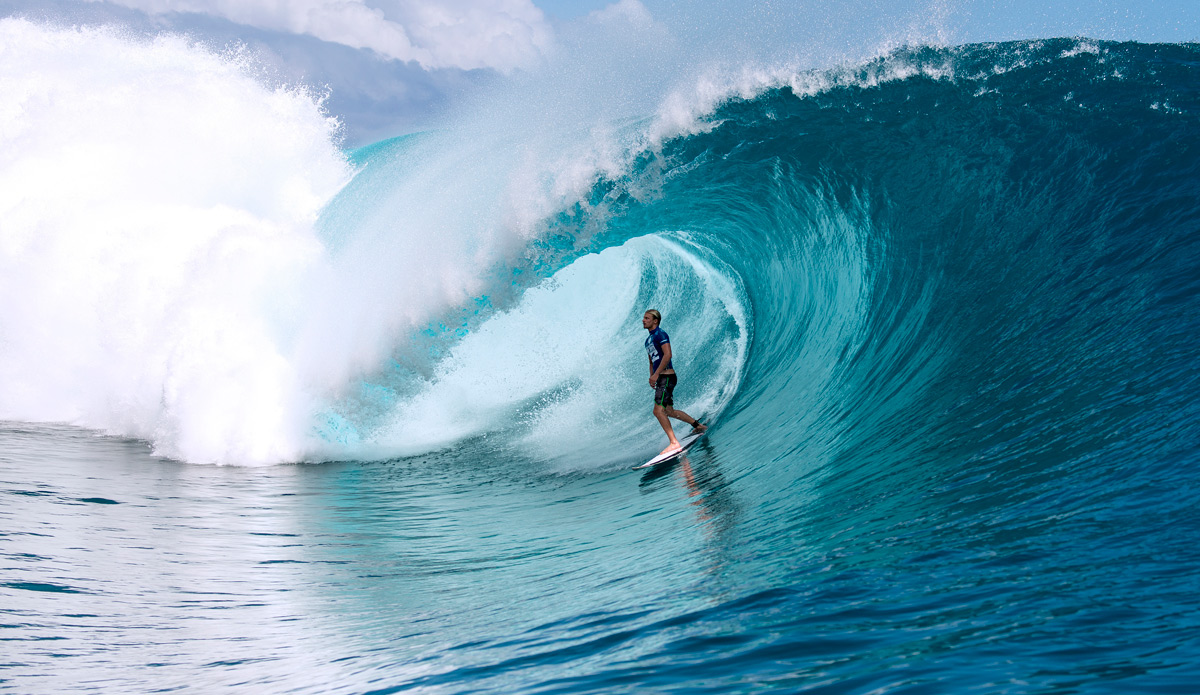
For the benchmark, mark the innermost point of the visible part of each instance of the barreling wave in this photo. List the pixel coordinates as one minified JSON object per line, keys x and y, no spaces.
{"x":918,"y":244}
{"x":941,"y":250}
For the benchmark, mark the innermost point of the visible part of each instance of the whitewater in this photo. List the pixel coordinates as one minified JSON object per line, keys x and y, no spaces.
{"x":281,"y":414}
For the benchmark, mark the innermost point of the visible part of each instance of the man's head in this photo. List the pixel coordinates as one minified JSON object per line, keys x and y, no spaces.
{"x":651,"y":319}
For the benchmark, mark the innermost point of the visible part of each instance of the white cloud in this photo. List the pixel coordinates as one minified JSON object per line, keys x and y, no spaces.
{"x":631,"y":11}
{"x":467,"y":34}
{"x":509,"y":32}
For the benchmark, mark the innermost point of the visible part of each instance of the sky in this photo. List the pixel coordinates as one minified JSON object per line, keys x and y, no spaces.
{"x":396,"y":66}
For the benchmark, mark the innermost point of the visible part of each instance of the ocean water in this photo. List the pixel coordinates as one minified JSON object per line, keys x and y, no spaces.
{"x":284,"y":416}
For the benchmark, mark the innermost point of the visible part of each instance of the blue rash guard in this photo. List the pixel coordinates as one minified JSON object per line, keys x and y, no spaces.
{"x":654,"y":342}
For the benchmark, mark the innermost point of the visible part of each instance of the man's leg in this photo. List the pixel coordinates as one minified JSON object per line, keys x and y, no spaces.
{"x":680,"y":415}
{"x":661,"y":414}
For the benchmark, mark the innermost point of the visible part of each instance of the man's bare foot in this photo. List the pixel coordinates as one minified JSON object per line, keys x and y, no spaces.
{"x":671,"y":449}
{"x":698,"y":427}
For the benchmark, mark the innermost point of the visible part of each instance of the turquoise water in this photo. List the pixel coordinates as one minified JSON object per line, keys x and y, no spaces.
{"x":941,"y":311}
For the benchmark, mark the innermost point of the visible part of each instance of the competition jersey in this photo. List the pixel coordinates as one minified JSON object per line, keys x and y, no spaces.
{"x":654,"y":342}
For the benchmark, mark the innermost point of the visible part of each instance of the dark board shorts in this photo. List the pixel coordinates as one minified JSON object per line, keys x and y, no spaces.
{"x":664,"y":389}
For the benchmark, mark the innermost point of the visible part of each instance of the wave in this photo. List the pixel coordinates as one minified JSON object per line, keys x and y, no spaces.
{"x":942,"y":249}
{"x":158,"y":211}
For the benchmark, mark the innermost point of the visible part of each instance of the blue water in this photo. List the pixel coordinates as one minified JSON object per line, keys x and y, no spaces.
{"x":944,"y":325}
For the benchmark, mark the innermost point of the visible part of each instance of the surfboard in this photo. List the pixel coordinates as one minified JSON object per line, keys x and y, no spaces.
{"x":685,"y":443}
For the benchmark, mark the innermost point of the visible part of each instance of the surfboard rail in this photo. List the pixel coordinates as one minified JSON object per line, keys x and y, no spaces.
{"x":685,"y":443}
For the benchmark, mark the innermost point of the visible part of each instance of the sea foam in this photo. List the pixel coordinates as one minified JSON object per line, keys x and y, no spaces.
{"x":157,"y":252}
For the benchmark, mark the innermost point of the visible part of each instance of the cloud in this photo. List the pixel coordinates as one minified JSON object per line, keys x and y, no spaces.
{"x":466,"y":34}
{"x":630,"y":11}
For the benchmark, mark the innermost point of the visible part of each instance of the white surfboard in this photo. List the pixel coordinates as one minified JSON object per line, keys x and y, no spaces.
{"x":685,"y":443}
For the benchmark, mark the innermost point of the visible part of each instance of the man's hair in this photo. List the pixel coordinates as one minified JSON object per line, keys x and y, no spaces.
{"x":657,"y":316}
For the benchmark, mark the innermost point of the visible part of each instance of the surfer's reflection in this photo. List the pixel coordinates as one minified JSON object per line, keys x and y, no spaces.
{"x":707,"y":490}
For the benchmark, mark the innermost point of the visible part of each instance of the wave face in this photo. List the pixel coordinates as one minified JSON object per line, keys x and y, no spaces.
{"x":984,"y":264}
{"x":940,"y":308}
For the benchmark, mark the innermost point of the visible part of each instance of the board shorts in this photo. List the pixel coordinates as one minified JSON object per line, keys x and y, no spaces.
{"x":664,"y":389}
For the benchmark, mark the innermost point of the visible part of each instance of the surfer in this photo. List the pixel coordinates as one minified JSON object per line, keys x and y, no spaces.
{"x":663,"y":379}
